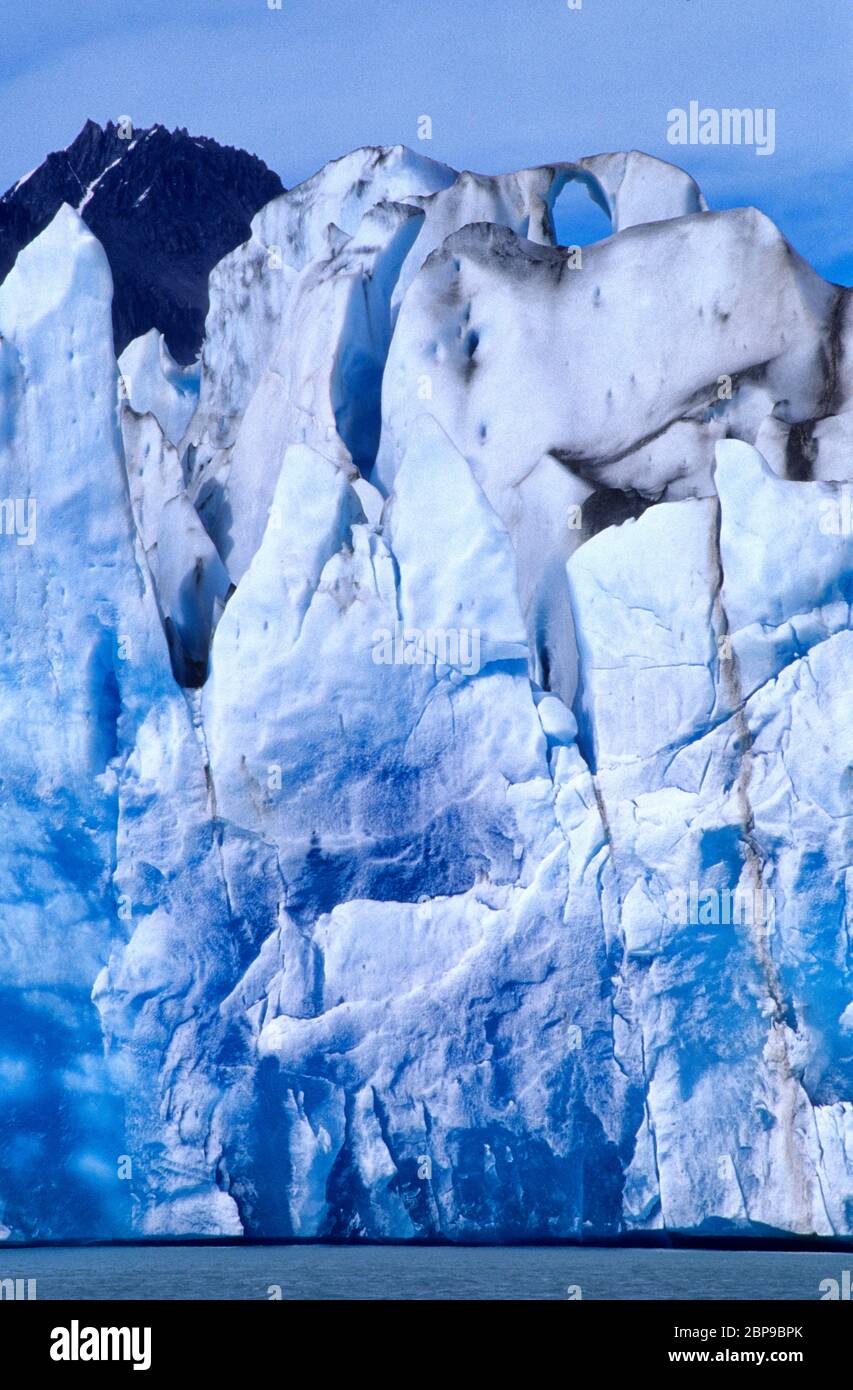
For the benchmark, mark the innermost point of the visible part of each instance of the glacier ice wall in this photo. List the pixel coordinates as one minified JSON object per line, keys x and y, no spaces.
{"x":427,"y":738}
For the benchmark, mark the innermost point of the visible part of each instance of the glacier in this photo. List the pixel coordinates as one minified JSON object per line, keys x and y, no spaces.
{"x":427,"y":737}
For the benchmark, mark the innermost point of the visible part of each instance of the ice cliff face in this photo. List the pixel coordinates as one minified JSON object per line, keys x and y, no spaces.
{"x":428,"y":731}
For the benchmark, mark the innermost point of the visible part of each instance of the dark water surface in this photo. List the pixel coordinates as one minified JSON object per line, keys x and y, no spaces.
{"x":397,"y":1272}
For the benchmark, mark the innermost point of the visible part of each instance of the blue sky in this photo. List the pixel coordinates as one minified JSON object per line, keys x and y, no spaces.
{"x":506,"y":83}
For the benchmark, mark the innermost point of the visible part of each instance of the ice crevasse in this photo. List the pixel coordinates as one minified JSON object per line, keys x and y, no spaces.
{"x":426,"y":752}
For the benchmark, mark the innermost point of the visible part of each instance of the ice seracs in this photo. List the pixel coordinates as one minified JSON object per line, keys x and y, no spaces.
{"x":249,"y":289}
{"x":396,"y":702}
{"x":323,"y":384}
{"x":84,"y":662}
{"x":154,"y":383}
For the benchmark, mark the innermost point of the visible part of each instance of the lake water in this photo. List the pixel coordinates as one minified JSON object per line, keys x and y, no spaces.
{"x":395,"y":1272}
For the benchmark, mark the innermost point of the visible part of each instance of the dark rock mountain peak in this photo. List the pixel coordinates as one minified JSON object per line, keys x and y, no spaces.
{"x":165,"y":205}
